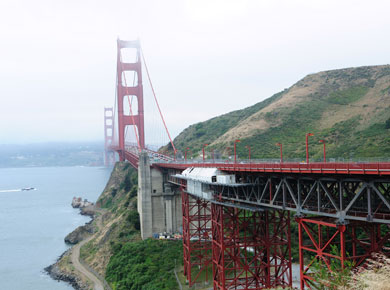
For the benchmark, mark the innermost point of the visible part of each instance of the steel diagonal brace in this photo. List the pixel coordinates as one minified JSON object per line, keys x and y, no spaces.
{"x":355,"y":198}
{"x":380,"y":195}
{"x":315,"y":244}
{"x":264,"y":190}
{"x":291,"y":192}
{"x":277,"y":191}
{"x":310,"y":192}
{"x":252,"y":192}
{"x":329,"y":196}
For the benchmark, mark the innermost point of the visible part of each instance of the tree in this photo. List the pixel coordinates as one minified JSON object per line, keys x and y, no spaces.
{"x":387,"y":124}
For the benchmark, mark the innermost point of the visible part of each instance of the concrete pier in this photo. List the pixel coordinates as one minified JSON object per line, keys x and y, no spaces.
{"x":159,"y":205}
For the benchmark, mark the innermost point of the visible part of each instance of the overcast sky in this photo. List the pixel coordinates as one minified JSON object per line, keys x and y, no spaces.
{"x":206,"y":57}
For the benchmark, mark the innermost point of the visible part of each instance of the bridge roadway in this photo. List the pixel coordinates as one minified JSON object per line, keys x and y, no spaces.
{"x":344,"y":191}
{"x":327,"y":168}
{"x":378,"y":169}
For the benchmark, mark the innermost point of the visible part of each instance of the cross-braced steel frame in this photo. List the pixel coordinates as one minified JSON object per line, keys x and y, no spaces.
{"x":322,"y":240}
{"x":341,"y":197}
{"x":251,"y":249}
{"x":340,"y":219}
{"x":196,"y":238}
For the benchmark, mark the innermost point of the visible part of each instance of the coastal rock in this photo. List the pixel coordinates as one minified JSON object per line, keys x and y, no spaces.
{"x":79,"y":234}
{"x":88,"y":210}
{"x":56,"y":274}
{"x":78,"y":202}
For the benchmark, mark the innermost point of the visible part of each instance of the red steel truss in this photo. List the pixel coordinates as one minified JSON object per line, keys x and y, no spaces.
{"x":196,"y":238}
{"x":251,"y":249}
{"x":320,"y":236}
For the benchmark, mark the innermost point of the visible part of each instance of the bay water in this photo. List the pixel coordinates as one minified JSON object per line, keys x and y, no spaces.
{"x":33,"y":223}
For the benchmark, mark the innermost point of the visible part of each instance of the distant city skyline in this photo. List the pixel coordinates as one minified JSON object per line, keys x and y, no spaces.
{"x":206,"y":57}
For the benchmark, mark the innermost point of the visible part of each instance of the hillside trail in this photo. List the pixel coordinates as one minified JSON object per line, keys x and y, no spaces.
{"x":75,"y":257}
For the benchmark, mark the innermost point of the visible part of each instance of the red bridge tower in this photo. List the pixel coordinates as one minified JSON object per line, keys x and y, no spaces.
{"x":109,"y":156}
{"x":126,"y":90}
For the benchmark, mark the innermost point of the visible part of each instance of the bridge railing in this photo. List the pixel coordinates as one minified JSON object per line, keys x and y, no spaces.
{"x":277,"y":161}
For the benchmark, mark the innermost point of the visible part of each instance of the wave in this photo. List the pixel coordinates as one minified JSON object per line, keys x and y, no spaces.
{"x":17,"y":190}
{"x":10,"y":190}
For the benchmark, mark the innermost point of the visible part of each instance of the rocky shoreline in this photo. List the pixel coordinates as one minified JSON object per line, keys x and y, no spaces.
{"x":76,"y":236}
{"x":56,"y":274}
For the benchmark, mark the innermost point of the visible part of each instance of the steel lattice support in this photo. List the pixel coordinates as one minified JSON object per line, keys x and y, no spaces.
{"x":322,"y":239}
{"x":251,"y":249}
{"x":196,"y":238}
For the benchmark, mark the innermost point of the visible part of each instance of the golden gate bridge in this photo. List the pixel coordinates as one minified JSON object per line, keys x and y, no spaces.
{"x":236,"y":215}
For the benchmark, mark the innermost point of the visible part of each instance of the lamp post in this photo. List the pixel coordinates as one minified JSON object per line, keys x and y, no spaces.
{"x":235,"y":155}
{"x":185,"y":154}
{"x":307,"y":146}
{"x":203,"y":150}
{"x":323,"y":142}
{"x":281,"y":151}
{"x":249,"y":152}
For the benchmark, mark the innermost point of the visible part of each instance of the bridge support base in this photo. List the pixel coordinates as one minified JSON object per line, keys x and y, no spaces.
{"x":196,"y":238}
{"x":322,"y":240}
{"x":251,"y":250}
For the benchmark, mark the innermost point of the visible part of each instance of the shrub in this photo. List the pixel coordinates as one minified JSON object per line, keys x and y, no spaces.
{"x":374,"y":275}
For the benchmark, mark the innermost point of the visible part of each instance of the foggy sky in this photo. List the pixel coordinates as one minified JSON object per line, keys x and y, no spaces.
{"x":206,"y":57}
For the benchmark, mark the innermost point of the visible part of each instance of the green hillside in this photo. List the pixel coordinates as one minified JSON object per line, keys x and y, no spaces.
{"x":348,"y":108}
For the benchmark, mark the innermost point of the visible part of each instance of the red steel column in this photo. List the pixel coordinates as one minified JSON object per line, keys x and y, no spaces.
{"x":279,"y":242}
{"x":251,"y":250}
{"x":123,"y":91}
{"x":196,"y":238}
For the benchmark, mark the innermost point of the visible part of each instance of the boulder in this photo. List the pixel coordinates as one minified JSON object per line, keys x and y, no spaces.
{"x":79,"y":234}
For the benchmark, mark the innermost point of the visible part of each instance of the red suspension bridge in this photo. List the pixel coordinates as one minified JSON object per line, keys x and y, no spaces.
{"x":236,"y":215}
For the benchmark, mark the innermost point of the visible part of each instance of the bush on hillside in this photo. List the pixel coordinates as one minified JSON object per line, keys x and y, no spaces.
{"x":144,"y":265}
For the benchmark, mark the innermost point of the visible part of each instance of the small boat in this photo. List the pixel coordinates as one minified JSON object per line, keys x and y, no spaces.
{"x":28,"y":188}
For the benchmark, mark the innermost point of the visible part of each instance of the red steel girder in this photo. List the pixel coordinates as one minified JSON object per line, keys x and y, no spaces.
{"x":196,"y":238}
{"x":355,"y":242}
{"x":251,"y":250}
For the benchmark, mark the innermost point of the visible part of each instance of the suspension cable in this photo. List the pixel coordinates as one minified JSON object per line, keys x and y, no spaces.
{"x":155,"y":98}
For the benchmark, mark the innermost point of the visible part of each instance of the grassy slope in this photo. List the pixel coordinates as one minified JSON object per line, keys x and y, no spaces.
{"x":348,"y":108}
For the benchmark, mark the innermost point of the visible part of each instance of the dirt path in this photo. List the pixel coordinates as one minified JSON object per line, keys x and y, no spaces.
{"x":75,"y":258}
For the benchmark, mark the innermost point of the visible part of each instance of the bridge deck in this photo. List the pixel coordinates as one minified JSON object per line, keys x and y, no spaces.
{"x":377,"y":168}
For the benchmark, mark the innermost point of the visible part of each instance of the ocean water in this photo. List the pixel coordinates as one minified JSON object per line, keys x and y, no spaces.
{"x":33,"y":223}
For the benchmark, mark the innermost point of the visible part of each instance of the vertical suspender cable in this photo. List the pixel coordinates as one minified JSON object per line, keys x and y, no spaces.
{"x":155,"y":98}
